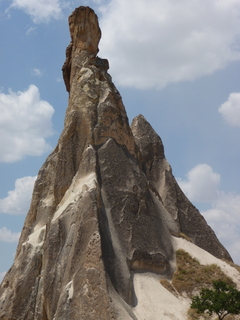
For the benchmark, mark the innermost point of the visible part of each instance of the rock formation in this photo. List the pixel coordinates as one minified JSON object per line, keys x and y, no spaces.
{"x":105,"y":204}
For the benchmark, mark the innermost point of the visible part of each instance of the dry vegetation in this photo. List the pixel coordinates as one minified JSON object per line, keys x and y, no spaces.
{"x":166,"y":284}
{"x":193,"y":315}
{"x":236,"y":266}
{"x":191,"y":275}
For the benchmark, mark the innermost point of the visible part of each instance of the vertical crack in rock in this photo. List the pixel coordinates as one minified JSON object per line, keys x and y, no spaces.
{"x":104,"y":207}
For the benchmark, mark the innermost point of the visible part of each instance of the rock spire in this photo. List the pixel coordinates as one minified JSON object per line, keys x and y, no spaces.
{"x":105,"y":204}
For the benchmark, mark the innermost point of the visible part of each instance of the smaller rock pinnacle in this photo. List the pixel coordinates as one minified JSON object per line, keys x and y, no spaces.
{"x":85,"y":36}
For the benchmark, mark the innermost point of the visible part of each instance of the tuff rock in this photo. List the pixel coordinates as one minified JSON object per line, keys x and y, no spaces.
{"x":105,"y":205}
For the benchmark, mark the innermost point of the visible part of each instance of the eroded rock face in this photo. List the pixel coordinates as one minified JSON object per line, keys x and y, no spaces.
{"x":188,"y":219}
{"x":105,"y":204}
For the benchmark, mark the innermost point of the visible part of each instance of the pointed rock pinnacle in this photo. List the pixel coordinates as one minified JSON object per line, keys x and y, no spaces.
{"x":105,"y":204}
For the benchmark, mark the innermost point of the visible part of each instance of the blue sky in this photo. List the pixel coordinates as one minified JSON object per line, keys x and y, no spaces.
{"x":175,"y":62}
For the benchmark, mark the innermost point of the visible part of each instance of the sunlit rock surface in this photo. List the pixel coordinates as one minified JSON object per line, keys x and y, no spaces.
{"x":104,"y":207}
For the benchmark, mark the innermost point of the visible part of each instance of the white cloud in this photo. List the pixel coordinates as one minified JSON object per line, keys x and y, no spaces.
{"x":156,"y":42}
{"x":224,"y":217}
{"x":30,"y":30}
{"x":225,"y":207}
{"x":37,"y":72}
{"x":18,"y":200}
{"x":25,"y":122}
{"x":7,"y":235}
{"x":230,"y":110}
{"x":40,"y":10}
{"x":202,"y":184}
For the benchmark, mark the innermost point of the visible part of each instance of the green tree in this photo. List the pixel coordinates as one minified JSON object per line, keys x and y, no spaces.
{"x":223,"y":299}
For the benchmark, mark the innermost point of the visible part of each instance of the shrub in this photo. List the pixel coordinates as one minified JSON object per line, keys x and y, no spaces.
{"x":223,"y":299}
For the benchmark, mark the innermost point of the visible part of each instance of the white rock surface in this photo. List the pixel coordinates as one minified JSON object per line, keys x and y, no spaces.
{"x":155,"y":302}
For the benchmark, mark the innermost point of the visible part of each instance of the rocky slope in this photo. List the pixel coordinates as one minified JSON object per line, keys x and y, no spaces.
{"x":105,"y":206}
